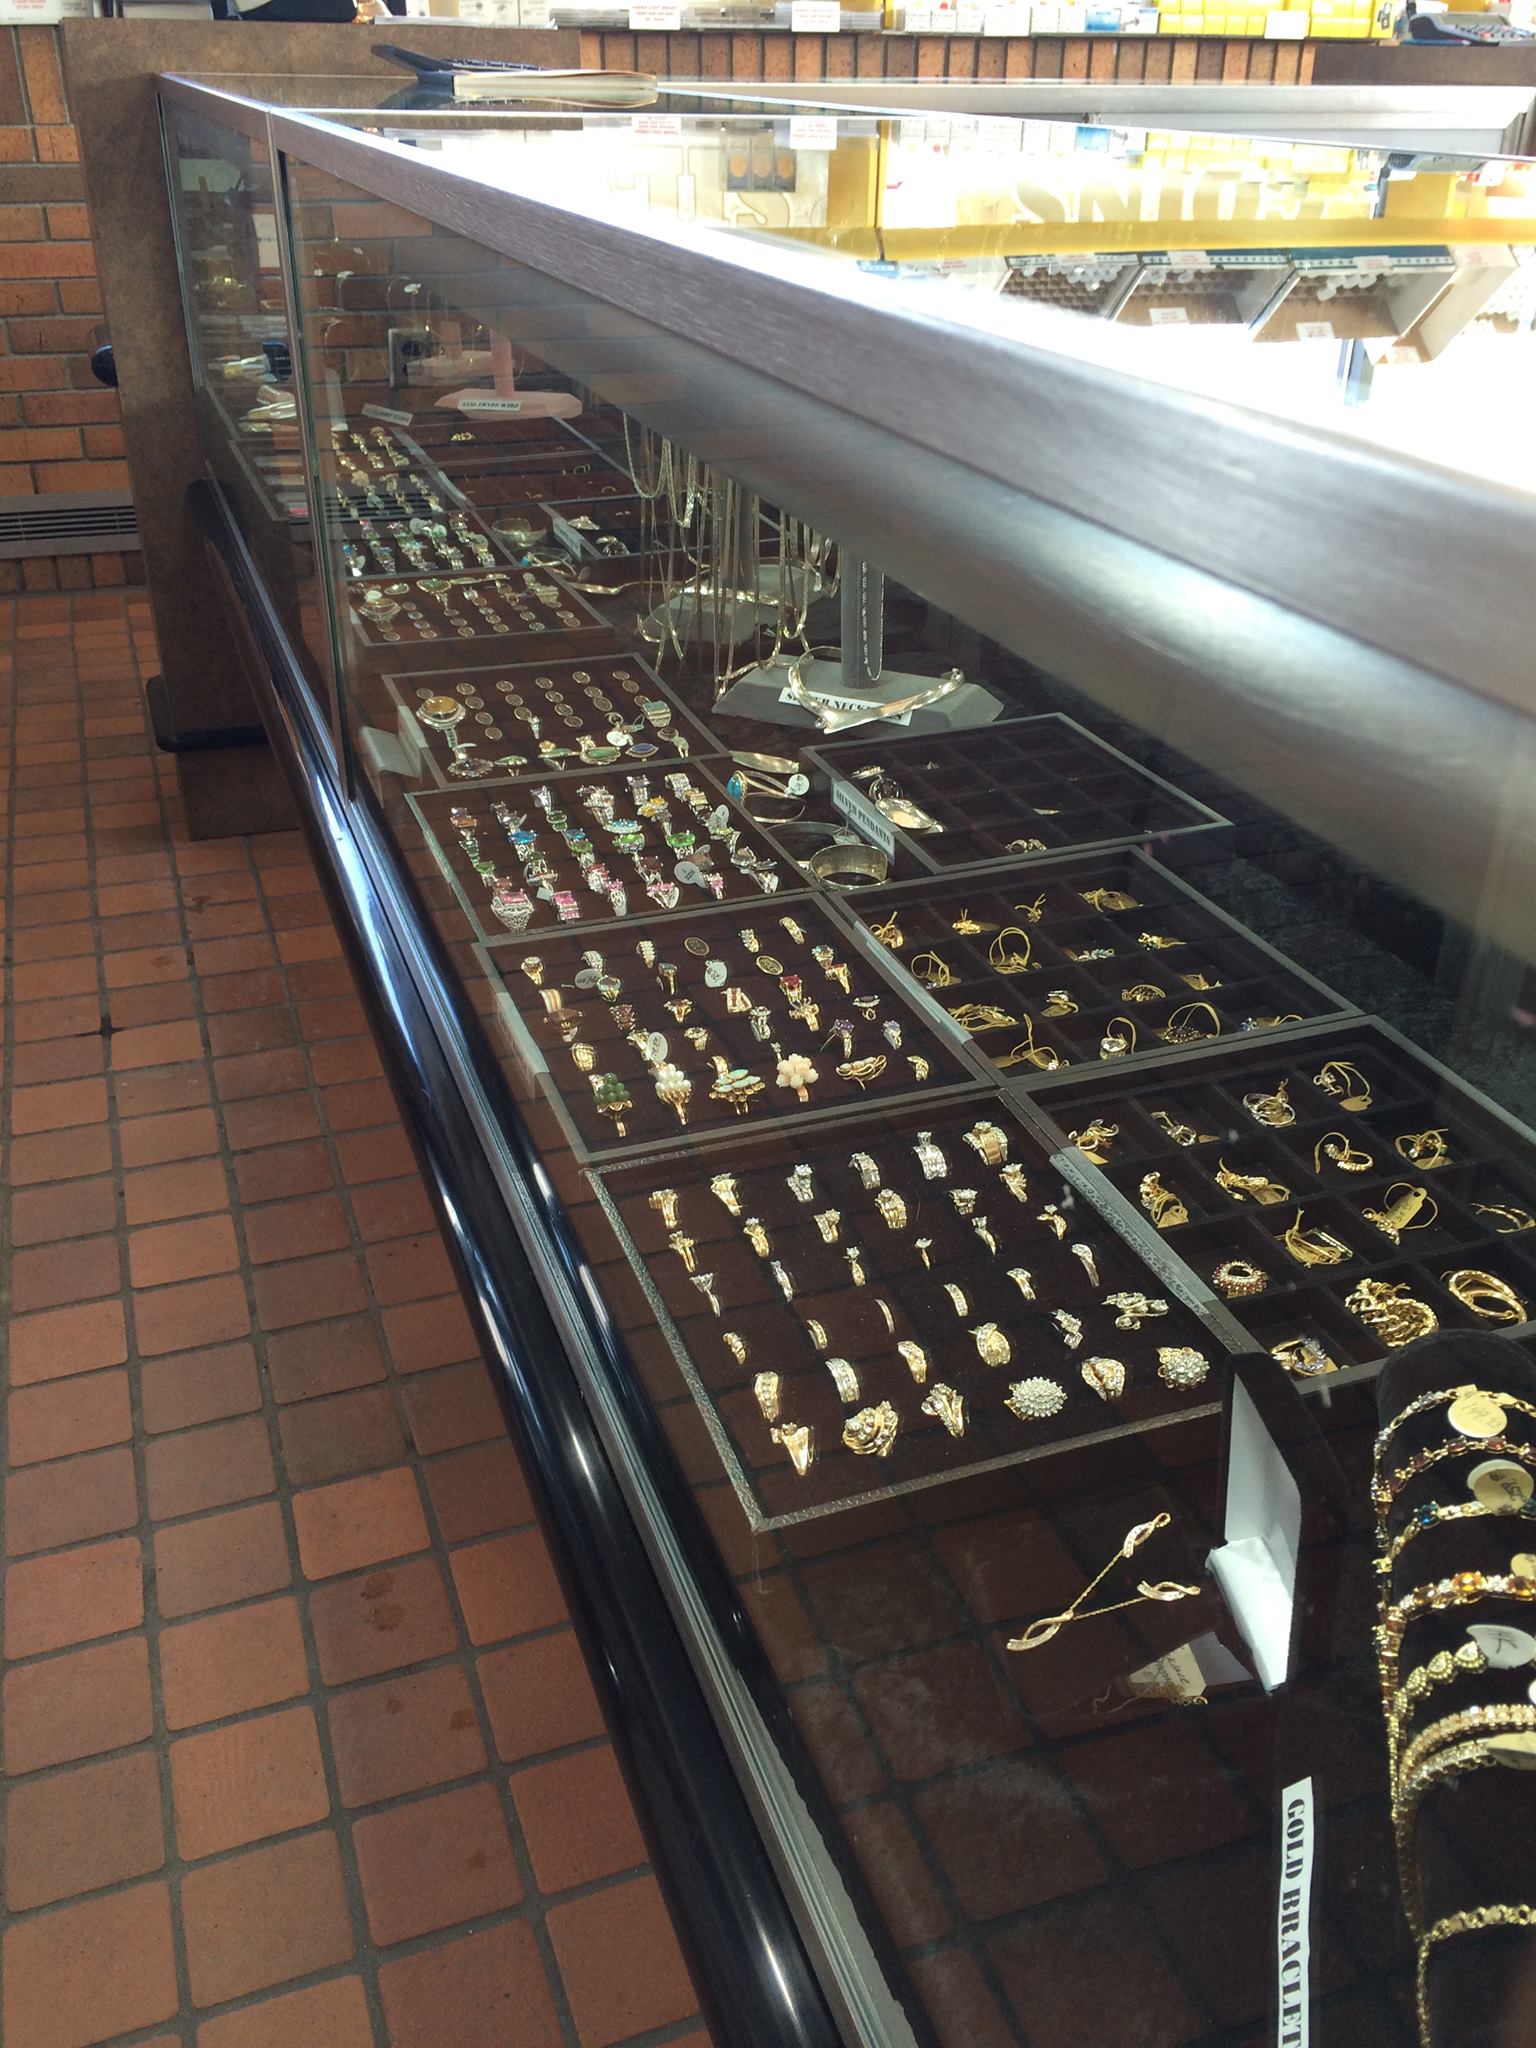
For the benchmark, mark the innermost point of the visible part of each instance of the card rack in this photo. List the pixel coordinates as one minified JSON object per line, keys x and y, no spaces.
{"x":1153,"y":932}
{"x":773,"y":1326}
{"x":1022,"y":787}
{"x":567,"y":1031}
{"x":440,"y":811}
{"x":1491,"y":1161}
{"x":501,"y":705}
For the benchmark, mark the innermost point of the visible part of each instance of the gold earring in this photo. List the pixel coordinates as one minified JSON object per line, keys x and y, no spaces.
{"x":1108,"y":899}
{"x":1001,"y":956}
{"x":1475,"y":1290}
{"x":1032,"y":912}
{"x":890,"y":934}
{"x":1346,"y":1157}
{"x":934,"y":975}
{"x":1251,"y":1187}
{"x":1314,"y":1247}
{"x":1180,"y":1029}
{"x":1093,"y":1140}
{"x":1161,"y":1204}
{"x":1343,"y":1080}
{"x":1424,"y":1149}
{"x":1044,"y":1058}
{"x":1514,"y":1219}
{"x":1403,"y":1213}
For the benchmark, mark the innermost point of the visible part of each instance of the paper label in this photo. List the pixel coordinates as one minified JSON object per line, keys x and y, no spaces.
{"x":1314,"y":330}
{"x":813,"y":131}
{"x":815,"y":17}
{"x":388,"y":415}
{"x":658,"y":127}
{"x":873,"y":825}
{"x":1293,"y":1928}
{"x":654,"y":14}
{"x":474,"y":403}
{"x":1167,"y":316}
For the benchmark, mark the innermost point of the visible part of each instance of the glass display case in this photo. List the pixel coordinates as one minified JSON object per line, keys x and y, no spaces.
{"x":928,"y":737}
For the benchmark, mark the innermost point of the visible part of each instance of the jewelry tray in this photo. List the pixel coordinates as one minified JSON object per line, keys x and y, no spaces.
{"x":984,"y":784}
{"x":1255,"y":978}
{"x":545,"y":1067}
{"x":432,"y":808}
{"x":450,"y":645}
{"x":754,"y":1307}
{"x":432,"y":750}
{"x":1493,"y":1159}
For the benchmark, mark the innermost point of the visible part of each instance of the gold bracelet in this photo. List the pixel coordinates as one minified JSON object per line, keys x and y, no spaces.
{"x":1409,"y":1797}
{"x":1462,"y":1589}
{"x":1386,"y":1486}
{"x":1479,"y":1721}
{"x":1467,"y":1425}
{"x":1467,"y":1660}
{"x":1473,"y":1921}
{"x":1434,"y":1511}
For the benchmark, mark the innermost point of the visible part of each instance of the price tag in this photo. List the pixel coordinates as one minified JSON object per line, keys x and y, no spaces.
{"x":1505,"y":1648}
{"x":815,"y":17}
{"x":813,"y":131}
{"x":1314,"y":330}
{"x":474,"y":403}
{"x":1167,"y":316}
{"x":1498,"y":1482}
{"x":657,"y":127}
{"x":388,"y":415}
{"x":654,"y":14}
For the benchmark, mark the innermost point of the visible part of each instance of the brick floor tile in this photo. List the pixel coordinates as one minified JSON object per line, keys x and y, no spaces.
{"x":324,"y":1358}
{"x":56,"y":1275}
{"x":306,"y":1290}
{"x":244,"y":1076}
{"x":331,"y":1017}
{"x":478,"y":1492}
{"x":329,"y":2015}
{"x":89,"y":1971}
{"x":356,"y":1105}
{"x":265,"y":1917}
{"x":160,"y":1194}
{"x":233,"y":1556}
{"x":212,"y":957}
{"x":147,"y":963}
{"x":312,"y":942}
{"x":63,"y":1417}
{"x":156,"y":1003}
{"x":308,"y":980}
{"x":74,"y":1208}
{"x":336,"y":1060}
{"x":51,"y":1602}
{"x":422,"y":1334}
{"x":53,"y":942}
{"x":191,"y":1387}
{"x":382,"y":1620}
{"x":250,"y":1031}
{"x":191,"y":1250}
{"x":454,"y":1406}
{"x":70,"y":1501}
{"x":359,"y":1522}
{"x":292,"y":907}
{"x":340,"y":1436}
{"x":296,"y":1229}
{"x":539,"y":1696}
{"x":578,"y":1820}
{"x":246,"y":1781}
{"x":62,"y":1341}
{"x":196,"y":1312}
{"x":60,"y":1017}
{"x":157,"y":1045}
{"x":374,"y":1155}
{"x":61,"y":1155}
{"x":392,"y":1208}
{"x":58,"y":1106}
{"x":62,"y":1059}
{"x":225,"y":921}
{"x":124,"y":899}
{"x":242,"y":991}
{"x":282,"y":1171}
{"x":154,"y":1140}
{"x":208,"y":1468}
{"x":271,"y":1120}
{"x":230,"y":1663}
{"x":404,"y":1734}
{"x":48,"y":979}
{"x":507,"y":1587}
{"x":82,"y":1829}
{"x":162,"y":1091}
{"x":492,"y":1983}
{"x":435,"y":1863}
{"x":409,"y":1269}
{"x":76,"y":1705}
{"x":620,"y":1963}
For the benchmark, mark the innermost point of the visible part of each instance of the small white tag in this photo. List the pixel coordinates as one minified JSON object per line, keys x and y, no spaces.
{"x":477,"y":404}
{"x":388,"y":414}
{"x":659,"y":127}
{"x":815,"y":17}
{"x":1167,"y":316}
{"x":865,"y":819}
{"x":654,"y":14}
{"x":1293,"y":1924}
{"x":1314,"y":330}
{"x":812,"y":131}
{"x":1505,"y":1648}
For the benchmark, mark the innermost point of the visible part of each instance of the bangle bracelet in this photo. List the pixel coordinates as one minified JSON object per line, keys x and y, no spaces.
{"x":1480,"y":1721}
{"x":1473,"y":1921}
{"x":1433,"y":1512}
{"x":1386,"y":1486}
{"x":1464,"y":1589}
{"x":1452,"y":1395}
{"x":846,"y":866}
{"x":1467,"y":1660}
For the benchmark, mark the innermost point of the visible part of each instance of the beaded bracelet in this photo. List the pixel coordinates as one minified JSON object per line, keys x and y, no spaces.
{"x":1448,"y":1395}
{"x":1473,"y":1921}
{"x":1385,"y":1487}
{"x":1462,"y":1589}
{"x":1472,"y":1721}
{"x":1434,"y":1511}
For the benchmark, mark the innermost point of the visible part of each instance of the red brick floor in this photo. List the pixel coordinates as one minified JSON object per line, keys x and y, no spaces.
{"x":299,"y":1748}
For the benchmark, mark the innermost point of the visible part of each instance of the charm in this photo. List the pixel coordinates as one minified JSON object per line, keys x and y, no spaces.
{"x":1273,"y":1108}
{"x":1035,"y":1400}
{"x":1161,"y":1204}
{"x":1424,"y":1149}
{"x":1251,"y":1187}
{"x":1094,"y":1140}
{"x":1402,"y":1210}
{"x":1343,"y":1080}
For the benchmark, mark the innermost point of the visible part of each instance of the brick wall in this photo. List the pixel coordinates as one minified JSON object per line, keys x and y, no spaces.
{"x":59,"y":429}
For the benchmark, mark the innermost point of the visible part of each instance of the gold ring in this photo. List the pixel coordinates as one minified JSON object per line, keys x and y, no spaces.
{"x":1424,"y":1149}
{"x":1115,"y":1043}
{"x":1273,"y":1108}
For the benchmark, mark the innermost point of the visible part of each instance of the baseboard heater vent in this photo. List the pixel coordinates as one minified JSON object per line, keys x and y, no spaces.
{"x":68,"y":523}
